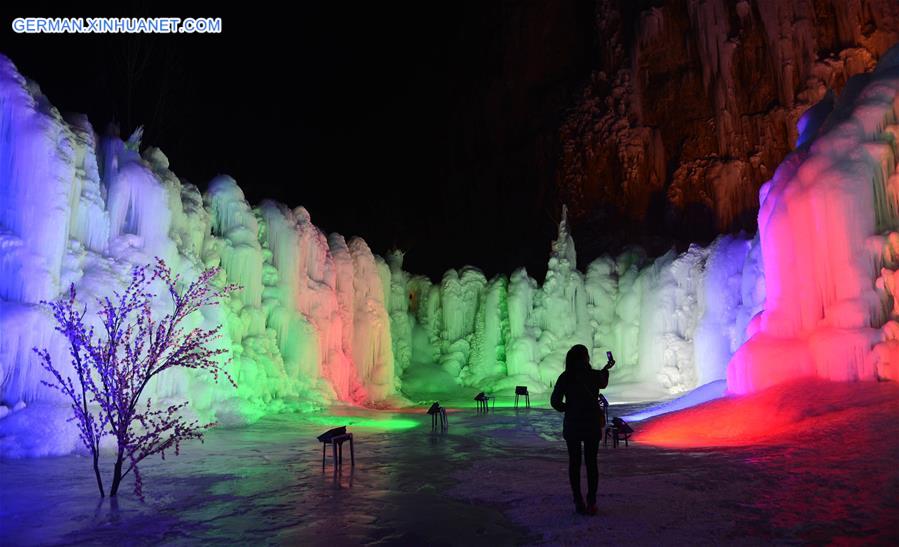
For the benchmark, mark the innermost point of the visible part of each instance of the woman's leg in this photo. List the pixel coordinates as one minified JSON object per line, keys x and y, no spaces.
{"x":591,"y":447}
{"x":574,"y":470}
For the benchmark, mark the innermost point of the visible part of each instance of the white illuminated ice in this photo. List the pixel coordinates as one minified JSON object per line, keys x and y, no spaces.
{"x":321,"y":318}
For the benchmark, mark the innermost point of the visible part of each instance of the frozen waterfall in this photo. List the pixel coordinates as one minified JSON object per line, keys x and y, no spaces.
{"x":320,"y":318}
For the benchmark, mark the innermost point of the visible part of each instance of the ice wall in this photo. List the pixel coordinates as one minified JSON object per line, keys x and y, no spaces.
{"x":321,"y":318}
{"x":311,"y":322}
{"x":672,"y":323}
{"x":826,"y":225}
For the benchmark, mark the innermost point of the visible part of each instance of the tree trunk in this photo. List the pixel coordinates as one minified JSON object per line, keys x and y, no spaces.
{"x":97,"y":473}
{"x":116,"y":476}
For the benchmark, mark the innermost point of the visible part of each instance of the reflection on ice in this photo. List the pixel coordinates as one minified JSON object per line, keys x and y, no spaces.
{"x":265,"y":481}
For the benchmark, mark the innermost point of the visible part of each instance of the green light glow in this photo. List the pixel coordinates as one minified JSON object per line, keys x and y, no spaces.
{"x":510,"y":403}
{"x":388,"y":423}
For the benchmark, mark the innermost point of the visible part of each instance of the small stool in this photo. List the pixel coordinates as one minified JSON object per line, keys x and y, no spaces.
{"x":618,"y":430}
{"x":487,"y":400}
{"x":522,"y":391}
{"x":336,"y":443}
{"x":438,"y":412}
{"x":611,"y":433}
{"x":483,"y":401}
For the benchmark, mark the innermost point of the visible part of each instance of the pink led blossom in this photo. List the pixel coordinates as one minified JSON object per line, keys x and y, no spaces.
{"x":114,"y":364}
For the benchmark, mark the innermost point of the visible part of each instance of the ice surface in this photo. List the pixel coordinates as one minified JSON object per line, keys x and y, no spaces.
{"x":264,"y":484}
{"x":702,"y":394}
{"x":801,"y":407}
{"x":830,"y":480}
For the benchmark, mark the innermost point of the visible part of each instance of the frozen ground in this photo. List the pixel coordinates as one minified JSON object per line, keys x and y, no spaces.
{"x":809,"y":462}
{"x":494,"y":480}
{"x":264,"y":484}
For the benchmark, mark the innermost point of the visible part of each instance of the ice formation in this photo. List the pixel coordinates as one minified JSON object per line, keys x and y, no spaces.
{"x":827,"y":227}
{"x":321,"y":318}
{"x":318,"y":317}
{"x":310,"y":321}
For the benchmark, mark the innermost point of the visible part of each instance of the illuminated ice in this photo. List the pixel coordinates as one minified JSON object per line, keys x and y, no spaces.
{"x":827,"y":225}
{"x":309,"y":326}
{"x":321,"y":318}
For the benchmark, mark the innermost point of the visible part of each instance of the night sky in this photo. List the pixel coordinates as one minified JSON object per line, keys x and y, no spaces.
{"x":428,"y":128}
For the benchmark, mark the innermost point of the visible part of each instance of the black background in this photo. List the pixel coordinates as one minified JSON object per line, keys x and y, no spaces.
{"x":424,"y":126}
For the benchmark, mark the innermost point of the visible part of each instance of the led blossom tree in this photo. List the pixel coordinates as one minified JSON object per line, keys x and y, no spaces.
{"x":114,"y":365}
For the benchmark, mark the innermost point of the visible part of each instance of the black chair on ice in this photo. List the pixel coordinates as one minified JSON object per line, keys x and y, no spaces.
{"x":438,"y":412}
{"x":522,"y":391}
{"x":336,"y":437}
{"x":483,"y":401}
{"x":618,"y":430}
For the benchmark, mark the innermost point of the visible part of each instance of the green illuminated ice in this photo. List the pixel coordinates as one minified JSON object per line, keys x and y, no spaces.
{"x":321,"y":319}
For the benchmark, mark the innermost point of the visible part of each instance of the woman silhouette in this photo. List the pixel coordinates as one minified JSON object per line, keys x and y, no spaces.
{"x":576,"y":394}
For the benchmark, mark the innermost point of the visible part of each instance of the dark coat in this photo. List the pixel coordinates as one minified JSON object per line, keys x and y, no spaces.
{"x":576,"y":395}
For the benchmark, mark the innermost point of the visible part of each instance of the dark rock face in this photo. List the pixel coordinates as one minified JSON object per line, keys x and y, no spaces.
{"x":694,"y":103}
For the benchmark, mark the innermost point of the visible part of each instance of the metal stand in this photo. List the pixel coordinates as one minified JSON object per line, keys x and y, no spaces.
{"x":337,"y":449}
{"x":522,"y":391}
{"x":440,"y":415}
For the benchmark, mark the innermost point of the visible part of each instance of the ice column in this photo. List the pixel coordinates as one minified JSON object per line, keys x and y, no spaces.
{"x":819,"y":221}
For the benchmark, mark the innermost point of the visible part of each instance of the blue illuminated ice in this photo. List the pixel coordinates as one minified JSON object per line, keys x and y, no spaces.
{"x":321,"y":318}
